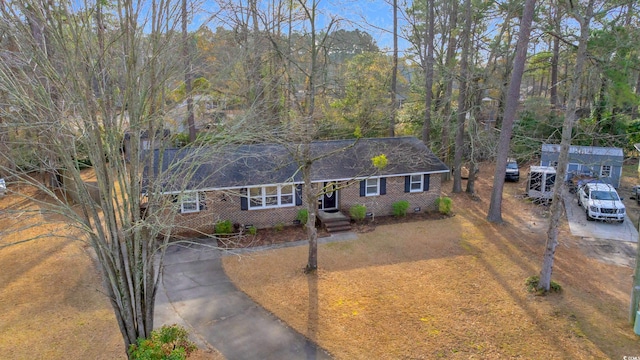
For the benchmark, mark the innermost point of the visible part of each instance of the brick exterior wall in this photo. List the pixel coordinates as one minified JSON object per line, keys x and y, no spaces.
{"x":381,"y":205}
{"x":221,"y":205}
{"x":225,"y":205}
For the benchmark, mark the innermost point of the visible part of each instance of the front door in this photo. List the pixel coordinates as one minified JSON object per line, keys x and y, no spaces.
{"x":329,"y":200}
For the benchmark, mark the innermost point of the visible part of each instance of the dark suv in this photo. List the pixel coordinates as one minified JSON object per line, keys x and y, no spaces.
{"x":513,"y":172}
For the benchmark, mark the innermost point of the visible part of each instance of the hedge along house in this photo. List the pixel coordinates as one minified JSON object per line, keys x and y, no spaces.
{"x":261,"y":184}
{"x":604,"y":163}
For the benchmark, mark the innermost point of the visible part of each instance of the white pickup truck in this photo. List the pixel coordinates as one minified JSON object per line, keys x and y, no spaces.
{"x":600,"y":201}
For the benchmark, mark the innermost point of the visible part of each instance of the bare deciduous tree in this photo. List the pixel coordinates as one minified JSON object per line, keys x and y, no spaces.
{"x":94,"y":95}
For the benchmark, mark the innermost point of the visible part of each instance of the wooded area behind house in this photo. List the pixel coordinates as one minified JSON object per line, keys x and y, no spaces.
{"x":99,"y":83}
{"x":252,"y":62}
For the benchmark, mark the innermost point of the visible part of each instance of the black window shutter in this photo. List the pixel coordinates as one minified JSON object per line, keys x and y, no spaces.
{"x":203,"y":201}
{"x":363,"y":187}
{"x":176,"y":200}
{"x":425,"y":185}
{"x":298,"y":195}
{"x":244,"y":200}
{"x":407,"y":183}
{"x":383,"y":186}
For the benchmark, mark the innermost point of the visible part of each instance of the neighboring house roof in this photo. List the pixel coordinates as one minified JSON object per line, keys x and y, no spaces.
{"x":585,"y":150}
{"x":237,"y":166}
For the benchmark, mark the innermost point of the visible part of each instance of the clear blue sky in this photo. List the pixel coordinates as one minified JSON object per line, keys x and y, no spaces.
{"x":371,"y":16}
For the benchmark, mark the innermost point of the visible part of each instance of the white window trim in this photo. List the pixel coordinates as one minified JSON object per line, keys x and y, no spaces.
{"x":602,"y":170}
{"x":263,"y":197}
{"x":367,"y":186}
{"x":191,"y":200}
{"x":411,"y":182}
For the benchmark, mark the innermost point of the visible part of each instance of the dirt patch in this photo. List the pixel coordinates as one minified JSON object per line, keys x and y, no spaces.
{"x":286,"y":234}
{"x":371,"y":224}
{"x":609,"y":252}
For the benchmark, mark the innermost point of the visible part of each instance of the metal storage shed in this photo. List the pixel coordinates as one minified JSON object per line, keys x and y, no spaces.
{"x":604,"y":163}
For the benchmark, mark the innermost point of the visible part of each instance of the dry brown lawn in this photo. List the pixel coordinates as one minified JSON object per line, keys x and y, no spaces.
{"x":52,"y":304}
{"x":451,"y":288}
{"x":51,"y":301}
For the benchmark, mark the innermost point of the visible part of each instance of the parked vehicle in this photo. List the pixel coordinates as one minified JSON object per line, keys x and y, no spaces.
{"x":513,"y":172}
{"x":540,"y":183}
{"x":635,"y":193}
{"x":3,"y":187}
{"x":600,"y":201}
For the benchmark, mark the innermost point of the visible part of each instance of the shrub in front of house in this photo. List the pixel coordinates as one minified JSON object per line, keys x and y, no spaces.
{"x":252,"y":230}
{"x":303,"y":216}
{"x":399,"y":208}
{"x":223,"y":227}
{"x":168,"y":342}
{"x":358,"y":212}
{"x":444,"y":205}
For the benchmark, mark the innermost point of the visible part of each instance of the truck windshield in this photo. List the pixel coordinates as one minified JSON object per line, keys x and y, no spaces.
{"x":512,"y":165}
{"x":604,"y":195}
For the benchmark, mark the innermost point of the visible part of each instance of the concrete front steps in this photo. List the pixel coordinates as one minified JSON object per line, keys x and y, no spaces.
{"x":334,"y":221}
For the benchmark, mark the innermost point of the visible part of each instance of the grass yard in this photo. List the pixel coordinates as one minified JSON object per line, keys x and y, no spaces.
{"x":51,"y":302}
{"x":451,"y":288}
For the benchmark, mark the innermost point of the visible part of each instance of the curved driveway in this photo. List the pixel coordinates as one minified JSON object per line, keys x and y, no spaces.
{"x":195,"y":292}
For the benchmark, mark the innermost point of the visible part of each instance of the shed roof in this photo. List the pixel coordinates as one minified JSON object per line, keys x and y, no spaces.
{"x":585,"y":150}
{"x":237,"y":166}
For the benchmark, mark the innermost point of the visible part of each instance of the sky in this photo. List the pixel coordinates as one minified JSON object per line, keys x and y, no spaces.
{"x":374,"y":17}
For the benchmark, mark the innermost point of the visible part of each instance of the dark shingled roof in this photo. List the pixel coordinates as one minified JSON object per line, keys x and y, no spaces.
{"x":263,"y":164}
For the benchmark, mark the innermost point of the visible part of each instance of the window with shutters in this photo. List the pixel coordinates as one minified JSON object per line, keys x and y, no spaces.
{"x":372,"y":187}
{"x":190,"y":202}
{"x":416,"y":182}
{"x":273,"y":196}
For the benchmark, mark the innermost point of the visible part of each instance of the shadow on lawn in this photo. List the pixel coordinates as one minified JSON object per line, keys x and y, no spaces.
{"x":509,"y":241}
{"x":537,"y":320}
{"x":311,"y":351}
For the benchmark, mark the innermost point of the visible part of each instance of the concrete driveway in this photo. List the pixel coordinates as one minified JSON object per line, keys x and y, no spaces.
{"x":596,"y":229}
{"x":196,"y":293}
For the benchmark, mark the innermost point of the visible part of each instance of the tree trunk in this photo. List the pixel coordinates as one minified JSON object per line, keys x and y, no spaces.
{"x":309,"y":112}
{"x":598,"y":111}
{"x":471,"y":181}
{"x":511,"y":106}
{"x":634,"y":108}
{"x":449,"y":64}
{"x":428,"y":74}
{"x":187,"y":74}
{"x":462,"y":100}
{"x":563,"y":158}
{"x":312,"y":210}
{"x":394,"y":72}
